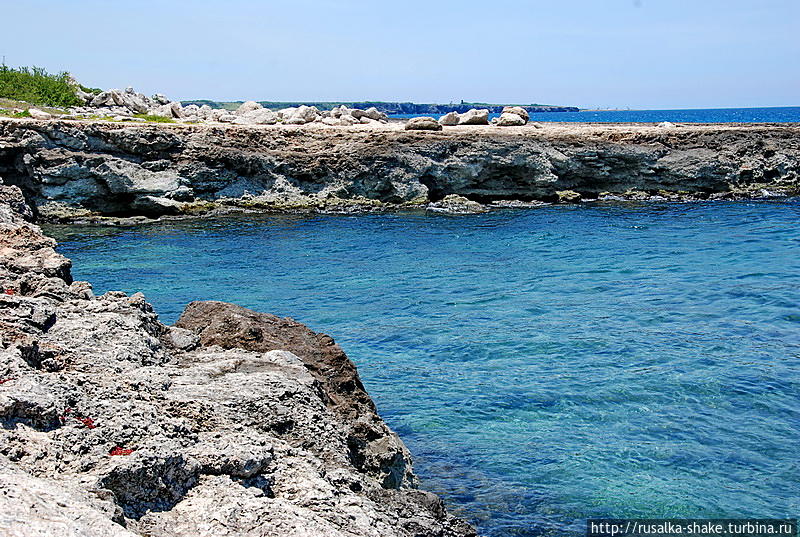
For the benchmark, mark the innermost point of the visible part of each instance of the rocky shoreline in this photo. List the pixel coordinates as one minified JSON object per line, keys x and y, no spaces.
{"x":231,"y":422}
{"x":104,"y":171}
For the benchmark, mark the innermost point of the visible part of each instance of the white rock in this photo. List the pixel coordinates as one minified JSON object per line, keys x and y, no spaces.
{"x":518,"y":110}
{"x":374,"y":113}
{"x":449,"y":119}
{"x":474,"y":117}
{"x":39,"y":114}
{"x":248,"y":106}
{"x":423,"y":124}
{"x":307,"y":113}
{"x":666,"y":125}
{"x":507,"y":119}
{"x":160,"y":98}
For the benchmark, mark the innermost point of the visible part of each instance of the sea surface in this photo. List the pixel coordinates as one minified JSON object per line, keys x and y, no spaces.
{"x":543,"y":365}
{"x":786,"y":114}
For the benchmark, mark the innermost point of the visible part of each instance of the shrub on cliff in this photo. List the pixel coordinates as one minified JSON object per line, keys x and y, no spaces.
{"x":36,"y":86}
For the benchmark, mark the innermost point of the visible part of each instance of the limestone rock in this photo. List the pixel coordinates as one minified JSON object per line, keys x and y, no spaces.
{"x":568,"y":196}
{"x":450,"y":119}
{"x":39,"y":114}
{"x":455,"y":204}
{"x":518,"y":110}
{"x":474,"y":117}
{"x":507,"y":119}
{"x":248,"y":106}
{"x":422,"y":124}
{"x":233,"y":423}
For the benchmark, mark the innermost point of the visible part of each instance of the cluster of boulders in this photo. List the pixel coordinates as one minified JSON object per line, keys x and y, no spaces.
{"x":124,"y":105}
{"x":512,"y":116}
{"x":252,"y":113}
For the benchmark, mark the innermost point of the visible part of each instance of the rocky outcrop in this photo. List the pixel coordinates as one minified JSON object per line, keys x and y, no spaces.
{"x":76,"y":169}
{"x":232,"y":423}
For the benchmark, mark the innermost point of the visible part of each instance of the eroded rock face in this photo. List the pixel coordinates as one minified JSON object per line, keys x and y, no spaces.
{"x":236,"y":423}
{"x":94,"y":168}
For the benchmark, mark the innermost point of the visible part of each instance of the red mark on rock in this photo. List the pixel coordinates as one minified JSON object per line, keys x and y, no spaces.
{"x":89,"y":422}
{"x":120,"y":451}
{"x":3,"y":381}
{"x":9,"y":291}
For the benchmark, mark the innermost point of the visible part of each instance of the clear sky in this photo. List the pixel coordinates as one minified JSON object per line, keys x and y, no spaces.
{"x":601,"y":53}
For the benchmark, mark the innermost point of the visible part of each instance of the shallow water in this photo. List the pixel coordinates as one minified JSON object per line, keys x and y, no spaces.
{"x":544,"y":366}
{"x":778,"y":114}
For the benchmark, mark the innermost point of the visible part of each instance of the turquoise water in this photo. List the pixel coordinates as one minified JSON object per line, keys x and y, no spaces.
{"x":785,"y":114}
{"x":544,"y":366}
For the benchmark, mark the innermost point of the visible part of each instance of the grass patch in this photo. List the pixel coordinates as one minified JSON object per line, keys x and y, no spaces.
{"x":154,"y":119}
{"x":9,"y":113}
{"x":36,"y":86}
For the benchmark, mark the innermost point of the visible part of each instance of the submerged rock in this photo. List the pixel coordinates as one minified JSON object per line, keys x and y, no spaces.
{"x":455,"y":204}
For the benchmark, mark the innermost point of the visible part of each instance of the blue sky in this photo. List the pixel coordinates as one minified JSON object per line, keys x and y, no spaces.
{"x":602,"y":53}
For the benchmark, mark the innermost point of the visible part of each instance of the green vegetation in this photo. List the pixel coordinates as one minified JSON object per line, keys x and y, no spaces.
{"x":37,"y":86}
{"x":9,"y":113}
{"x":93,"y":91}
{"x":154,"y":119}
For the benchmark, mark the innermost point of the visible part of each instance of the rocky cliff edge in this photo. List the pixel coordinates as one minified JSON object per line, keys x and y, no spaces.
{"x":231,"y":423}
{"x":100,"y":169}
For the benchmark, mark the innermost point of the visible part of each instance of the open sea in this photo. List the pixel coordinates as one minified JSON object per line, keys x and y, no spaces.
{"x":544,"y":365}
{"x":785,"y":114}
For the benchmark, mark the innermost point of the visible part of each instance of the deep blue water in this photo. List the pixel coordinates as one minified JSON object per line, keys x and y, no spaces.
{"x":545,"y":365}
{"x":713,"y":115}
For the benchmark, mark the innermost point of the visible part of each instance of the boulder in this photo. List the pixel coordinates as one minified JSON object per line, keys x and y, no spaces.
{"x":248,"y":106}
{"x":450,"y":119}
{"x":191,"y":110}
{"x":374,"y":113}
{"x":39,"y":114}
{"x":518,"y":110}
{"x":474,"y":117}
{"x":260,"y":116}
{"x":455,"y":204}
{"x":507,"y":119}
{"x":300,"y":116}
{"x":568,"y":196}
{"x":423,"y":123}
{"x":160,"y":98}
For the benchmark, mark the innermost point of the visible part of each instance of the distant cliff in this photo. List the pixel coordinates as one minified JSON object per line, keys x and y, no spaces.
{"x":387,"y":107}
